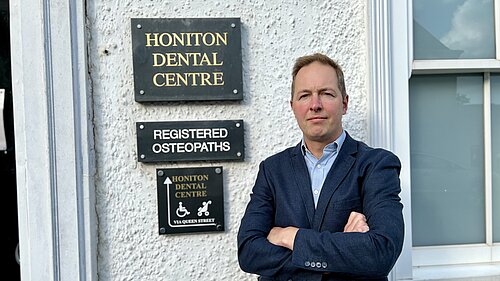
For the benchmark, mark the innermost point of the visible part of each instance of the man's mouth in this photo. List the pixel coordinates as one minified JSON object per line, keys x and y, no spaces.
{"x":316,"y":118}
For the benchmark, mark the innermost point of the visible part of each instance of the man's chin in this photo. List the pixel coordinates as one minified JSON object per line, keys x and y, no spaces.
{"x":320,"y":137}
{"x":317,"y":137}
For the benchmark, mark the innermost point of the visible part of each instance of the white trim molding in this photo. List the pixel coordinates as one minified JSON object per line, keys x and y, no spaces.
{"x":54,"y":140}
{"x":390,"y":57}
{"x":380,"y":75}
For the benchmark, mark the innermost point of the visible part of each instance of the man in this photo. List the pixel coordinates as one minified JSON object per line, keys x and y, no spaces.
{"x":328,"y":208}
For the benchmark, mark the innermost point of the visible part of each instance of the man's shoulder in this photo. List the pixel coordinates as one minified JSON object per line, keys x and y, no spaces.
{"x":283,"y":154}
{"x":367,"y":151}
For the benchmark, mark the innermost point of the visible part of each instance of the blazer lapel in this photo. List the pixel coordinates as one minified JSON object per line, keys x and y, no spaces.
{"x":344,"y":162}
{"x":302,"y":181}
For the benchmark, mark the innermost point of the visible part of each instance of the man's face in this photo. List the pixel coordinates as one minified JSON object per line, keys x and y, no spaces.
{"x":317,"y":103}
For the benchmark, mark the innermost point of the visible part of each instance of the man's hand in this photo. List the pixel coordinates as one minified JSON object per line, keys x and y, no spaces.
{"x":356,"y":223}
{"x":283,"y":237}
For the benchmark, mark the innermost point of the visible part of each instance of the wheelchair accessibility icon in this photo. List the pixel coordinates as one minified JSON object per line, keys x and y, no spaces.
{"x":182,"y":211}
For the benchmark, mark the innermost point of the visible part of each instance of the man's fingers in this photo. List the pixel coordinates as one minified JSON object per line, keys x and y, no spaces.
{"x":284,"y":237}
{"x":356,"y":223}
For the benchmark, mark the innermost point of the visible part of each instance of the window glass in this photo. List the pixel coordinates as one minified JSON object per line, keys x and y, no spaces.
{"x":447,"y":159}
{"x":495,"y":155}
{"x":453,"y":29}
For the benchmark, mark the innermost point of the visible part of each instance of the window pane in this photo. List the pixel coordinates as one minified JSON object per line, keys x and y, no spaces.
{"x":495,"y":155}
{"x":444,"y":29}
{"x":447,"y":162}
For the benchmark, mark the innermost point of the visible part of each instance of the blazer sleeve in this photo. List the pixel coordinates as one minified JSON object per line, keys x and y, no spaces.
{"x":370,"y":254}
{"x":255,"y":253}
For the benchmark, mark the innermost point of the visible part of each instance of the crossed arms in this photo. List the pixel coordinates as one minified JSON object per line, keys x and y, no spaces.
{"x":285,"y":236}
{"x":276,"y":238}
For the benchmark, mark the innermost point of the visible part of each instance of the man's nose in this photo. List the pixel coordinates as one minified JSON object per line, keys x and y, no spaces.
{"x":316,"y":103}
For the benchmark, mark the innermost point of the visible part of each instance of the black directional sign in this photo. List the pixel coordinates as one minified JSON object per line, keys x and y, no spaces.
{"x":190,"y":200}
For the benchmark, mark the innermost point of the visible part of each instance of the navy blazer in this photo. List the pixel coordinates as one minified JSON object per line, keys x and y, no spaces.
{"x":362,"y":179}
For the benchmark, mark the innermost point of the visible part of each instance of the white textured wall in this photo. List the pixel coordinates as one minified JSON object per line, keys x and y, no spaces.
{"x":274,"y":33}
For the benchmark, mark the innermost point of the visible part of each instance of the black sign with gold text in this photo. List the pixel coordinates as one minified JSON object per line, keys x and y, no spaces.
{"x":187,"y":59}
{"x":190,"y":200}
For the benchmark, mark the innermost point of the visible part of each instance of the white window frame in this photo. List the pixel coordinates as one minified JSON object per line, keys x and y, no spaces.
{"x":53,"y":140}
{"x":391,"y":66}
{"x":390,"y":57}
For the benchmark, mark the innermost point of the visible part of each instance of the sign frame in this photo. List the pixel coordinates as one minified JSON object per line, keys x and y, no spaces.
{"x":193,"y":214}
{"x":208,"y":140}
{"x":187,"y":59}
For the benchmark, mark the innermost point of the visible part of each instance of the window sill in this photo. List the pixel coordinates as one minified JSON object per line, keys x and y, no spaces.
{"x":485,"y":271}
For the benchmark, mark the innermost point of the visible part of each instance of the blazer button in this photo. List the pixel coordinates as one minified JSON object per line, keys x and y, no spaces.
{"x":324,"y":265}
{"x":307,"y":263}
{"x":313,"y":264}
{"x":318,"y":264}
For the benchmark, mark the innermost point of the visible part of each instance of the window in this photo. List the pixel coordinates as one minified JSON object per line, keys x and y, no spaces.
{"x":454,"y":104}
{"x":456,"y":29}
{"x":447,"y":159}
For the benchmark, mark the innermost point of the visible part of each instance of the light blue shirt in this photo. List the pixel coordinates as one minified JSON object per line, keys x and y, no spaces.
{"x":319,"y":168}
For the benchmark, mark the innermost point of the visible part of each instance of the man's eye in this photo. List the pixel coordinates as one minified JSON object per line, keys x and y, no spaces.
{"x":302,"y":96}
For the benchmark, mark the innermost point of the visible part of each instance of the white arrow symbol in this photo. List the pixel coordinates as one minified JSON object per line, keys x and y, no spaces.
{"x":168,"y":182}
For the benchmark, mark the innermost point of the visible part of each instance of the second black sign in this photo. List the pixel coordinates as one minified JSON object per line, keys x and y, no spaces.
{"x":190,"y":141}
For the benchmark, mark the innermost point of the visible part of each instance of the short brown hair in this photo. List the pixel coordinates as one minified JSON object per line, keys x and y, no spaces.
{"x":321,"y":58}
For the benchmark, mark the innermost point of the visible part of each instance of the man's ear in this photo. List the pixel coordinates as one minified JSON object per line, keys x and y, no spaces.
{"x":345,"y":102}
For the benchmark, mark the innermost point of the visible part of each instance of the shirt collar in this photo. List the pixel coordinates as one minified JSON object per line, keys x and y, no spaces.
{"x":336,"y":144}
